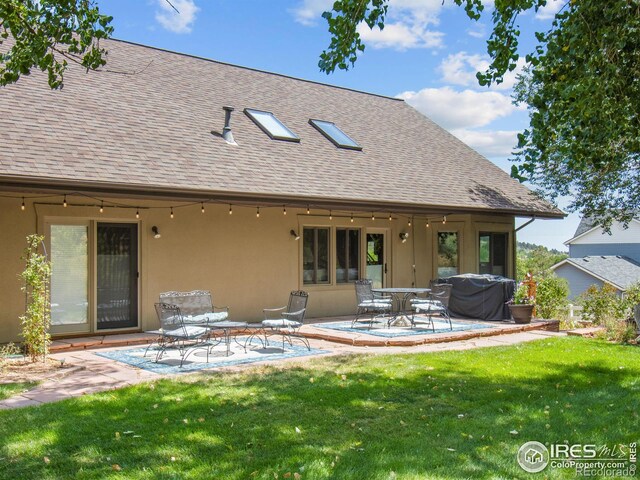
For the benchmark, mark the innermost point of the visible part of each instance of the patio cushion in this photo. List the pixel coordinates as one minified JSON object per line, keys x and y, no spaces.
{"x":375,"y":304}
{"x":208,"y":317}
{"x":281,"y":323}
{"x":429,"y":308}
{"x":189,"y":331}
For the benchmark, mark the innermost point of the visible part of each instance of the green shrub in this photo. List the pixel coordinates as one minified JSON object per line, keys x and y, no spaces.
{"x":604,"y":307}
{"x":551,"y":297}
{"x":599,"y":304}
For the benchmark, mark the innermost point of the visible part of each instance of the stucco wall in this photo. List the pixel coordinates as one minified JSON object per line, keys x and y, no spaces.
{"x":248,"y":263}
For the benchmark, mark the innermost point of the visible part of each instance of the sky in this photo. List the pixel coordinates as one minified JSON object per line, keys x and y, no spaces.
{"x":427,"y":54}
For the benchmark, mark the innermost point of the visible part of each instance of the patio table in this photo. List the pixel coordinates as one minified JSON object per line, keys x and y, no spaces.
{"x":227,"y":328}
{"x":400,"y":296}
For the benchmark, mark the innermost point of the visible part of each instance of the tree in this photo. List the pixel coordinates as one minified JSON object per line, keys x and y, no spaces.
{"x":582,"y":87}
{"x":48,"y":34}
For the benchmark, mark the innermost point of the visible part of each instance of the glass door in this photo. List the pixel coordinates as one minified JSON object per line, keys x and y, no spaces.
{"x":116,"y":275}
{"x":493,"y":253}
{"x":377,"y":259}
{"x":69,"y":253}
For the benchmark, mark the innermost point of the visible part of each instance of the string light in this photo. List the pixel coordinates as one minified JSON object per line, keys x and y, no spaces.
{"x":101,"y":206}
{"x":258,"y":212}
{"x":308,"y":211}
{"x":351,"y":217}
{"x":373,"y":217}
{"x":330,"y":215}
{"x":202,"y":209}
{"x":171,"y":214}
{"x":444,"y":219}
{"x":137,"y":212}
{"x":390,"y":217}
{"x":22,"y":206}
{"x":427,"y":223}
{"x":230,"y":210}
{"x":64,"y":202}
{"x":409,"y":222}
{"x":284,"y":209}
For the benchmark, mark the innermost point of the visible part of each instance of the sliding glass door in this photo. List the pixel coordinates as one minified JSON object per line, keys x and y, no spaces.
{"x":117,"y":275}
{"x":94,"y":281}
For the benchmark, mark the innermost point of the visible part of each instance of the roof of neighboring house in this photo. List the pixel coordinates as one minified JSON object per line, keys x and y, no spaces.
{"x":587,"y":225}
{"x":151,"y":122}
{"x":619,"y":271}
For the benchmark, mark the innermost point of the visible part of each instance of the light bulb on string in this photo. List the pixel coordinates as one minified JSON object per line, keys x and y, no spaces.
{"x":171,"y":214}
{"x":202,"y":207}
{"x":444,"y":219}
{"x":22,"y":206}
{"x":352,"y":218}
{"x":137,"y":212}
{"x":409,"y":222}
{"x":64,"y":202}
{"x":390,"y":217}
{"x":284,"y":209}
{"x":308,"y":211}
{"x":258,"y":212}
{"x":330,"y":215}
{"x":427,"y":223}
{"x":101,"y":206}
{"x":373,"y":217}
{"x":230,"y":210}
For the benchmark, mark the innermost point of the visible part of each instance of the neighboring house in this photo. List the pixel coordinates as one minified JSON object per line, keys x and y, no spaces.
{"x":138,"y":189}
{"x":597,"y":257}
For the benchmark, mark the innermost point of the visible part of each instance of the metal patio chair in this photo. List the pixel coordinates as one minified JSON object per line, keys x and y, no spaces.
{"x":174,"y":332}
{"x":437,"y":303}
{"x":285,"y":321}
{"x":370,"y":303}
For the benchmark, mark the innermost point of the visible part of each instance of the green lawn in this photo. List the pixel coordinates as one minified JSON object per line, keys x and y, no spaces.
{"x":9,"y":389}
{"x":447,"y":415}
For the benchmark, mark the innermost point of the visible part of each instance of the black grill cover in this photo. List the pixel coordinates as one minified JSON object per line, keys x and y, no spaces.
{"x":482,"y":297}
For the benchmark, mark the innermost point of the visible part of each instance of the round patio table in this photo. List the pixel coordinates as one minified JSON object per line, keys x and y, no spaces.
{"x":400,"y":296}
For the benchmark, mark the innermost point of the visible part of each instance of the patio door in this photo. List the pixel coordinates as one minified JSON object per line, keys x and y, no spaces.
{"x":377,"y":258}
{"x":116,"y":275}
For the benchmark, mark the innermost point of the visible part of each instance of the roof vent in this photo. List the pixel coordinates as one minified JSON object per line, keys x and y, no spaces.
{"x":226,"y":131}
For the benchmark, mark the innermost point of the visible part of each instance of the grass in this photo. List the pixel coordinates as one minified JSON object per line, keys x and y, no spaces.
{"x":9,"y":389}
{"x":446,"y":415}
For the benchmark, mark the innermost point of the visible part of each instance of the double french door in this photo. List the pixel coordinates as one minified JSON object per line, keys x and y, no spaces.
{"x":94,"y":281}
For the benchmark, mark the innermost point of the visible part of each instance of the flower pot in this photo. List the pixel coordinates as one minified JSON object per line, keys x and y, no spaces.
{"x":521,"y":313}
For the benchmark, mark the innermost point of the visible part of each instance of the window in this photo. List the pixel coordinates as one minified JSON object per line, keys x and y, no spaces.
{"x":347,"y":255}
{"x":493,"y":253}
{"x":448,"y":254}
{"x":315,"y":257}
{"x":335,"y":135}
{"x":270,"y":125}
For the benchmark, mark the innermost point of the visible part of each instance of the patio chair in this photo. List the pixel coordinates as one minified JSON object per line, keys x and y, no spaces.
{"x":196,"y":306}
{"x":286,"y":321}
{"x":174,"y":332}
{"x":436,"y":304}
{"x":370,"y":303}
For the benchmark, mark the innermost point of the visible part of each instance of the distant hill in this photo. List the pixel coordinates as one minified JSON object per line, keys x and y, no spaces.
{"x":526,"y":247}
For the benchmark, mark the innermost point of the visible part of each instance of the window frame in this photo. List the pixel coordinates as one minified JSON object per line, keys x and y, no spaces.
{"x":348,"y":254}
{"x":314,"y":122}
{"x":315,"y":230}
{"x":249,"y":113}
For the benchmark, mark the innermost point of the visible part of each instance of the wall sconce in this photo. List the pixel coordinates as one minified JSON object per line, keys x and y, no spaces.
{"x":294,"y":234}
{"x":156,"y":232}
{"x":404,"y":236}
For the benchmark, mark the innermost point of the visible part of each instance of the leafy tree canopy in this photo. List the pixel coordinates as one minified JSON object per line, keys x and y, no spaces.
{"x":582,"y":86}
{"x":47,"y":34}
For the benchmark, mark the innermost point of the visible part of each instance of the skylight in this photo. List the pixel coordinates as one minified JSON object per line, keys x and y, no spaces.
{"x":270,"y":125}
{"x":333,"y":133}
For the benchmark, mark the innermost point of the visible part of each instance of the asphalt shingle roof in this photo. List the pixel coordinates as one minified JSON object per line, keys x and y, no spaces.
{"x":152,"y":129}
{"x":621,"y":271}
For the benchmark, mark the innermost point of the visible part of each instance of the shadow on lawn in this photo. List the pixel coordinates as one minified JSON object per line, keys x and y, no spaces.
{"x":445,"y":421}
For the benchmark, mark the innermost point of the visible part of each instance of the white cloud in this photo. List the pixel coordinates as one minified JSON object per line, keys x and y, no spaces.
{"x":174,"y":21}
{"x":490,"y":143}
{"x":461,"y":68}
{"x":453,"y":109}
{"x":550,"y":9}
{"x":310,"y":11}
{"x":401,"y":36}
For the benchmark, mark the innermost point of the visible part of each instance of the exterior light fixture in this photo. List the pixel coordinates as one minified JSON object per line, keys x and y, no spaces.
{"x":22,"y":206}
{"x":294,"y":235}
{"x":352,"y":218}
{"x":230,"y":210}
{"x":171,"y":214}
{"x":258,"y":212}
{"x":427,"y":223}
{"x":308,"y":211}
{"x":101,"y":206}
{"x":409,"y":222}
{"x":373,"y":217}
{"x":137,"y":212}
{"x":404,"y":236}
{"x":330,"y":215}
{"x":284,"y":209}
{"x":390,"y":217}
{"x":202,"y":207}
{"x":64,"y":202}
{"x":156,"y":232}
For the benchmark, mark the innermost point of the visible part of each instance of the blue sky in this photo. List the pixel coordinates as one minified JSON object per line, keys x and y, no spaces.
{"x":427,"y":54}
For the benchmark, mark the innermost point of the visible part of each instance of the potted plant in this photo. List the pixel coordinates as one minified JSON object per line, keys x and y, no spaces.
{"x":521,"y":305}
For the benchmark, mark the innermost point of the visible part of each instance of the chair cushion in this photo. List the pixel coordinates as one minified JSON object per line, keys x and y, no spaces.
{"x":281,"y":323}
{"x":430,"y":308}
{"x":189,"y":331}
{"x":380,"y":305}
{"x":208,"y":317}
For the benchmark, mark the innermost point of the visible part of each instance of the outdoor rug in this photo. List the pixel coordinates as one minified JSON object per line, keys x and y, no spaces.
{"x":197,"y":360}
{"x":381,"y":329}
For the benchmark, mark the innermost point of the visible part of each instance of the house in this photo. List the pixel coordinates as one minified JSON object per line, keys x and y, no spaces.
{"x":597,"y":257}
{"x":171,"y":172}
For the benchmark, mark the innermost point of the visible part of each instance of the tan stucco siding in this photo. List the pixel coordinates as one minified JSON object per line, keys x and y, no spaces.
{"x":248,"y":263}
